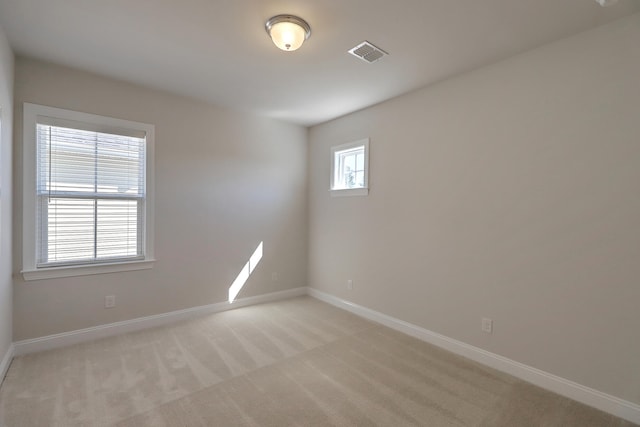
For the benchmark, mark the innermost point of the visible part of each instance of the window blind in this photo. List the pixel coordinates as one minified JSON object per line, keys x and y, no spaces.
{"x":90,"y":187}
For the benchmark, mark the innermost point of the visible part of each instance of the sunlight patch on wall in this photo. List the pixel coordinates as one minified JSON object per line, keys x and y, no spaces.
{"x":244,"y":274}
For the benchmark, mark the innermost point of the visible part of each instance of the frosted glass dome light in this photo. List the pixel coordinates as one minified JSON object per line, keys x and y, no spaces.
{"x":288,"y":32}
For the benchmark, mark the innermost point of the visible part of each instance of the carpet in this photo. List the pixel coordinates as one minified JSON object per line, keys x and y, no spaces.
{"x":296,"y":362}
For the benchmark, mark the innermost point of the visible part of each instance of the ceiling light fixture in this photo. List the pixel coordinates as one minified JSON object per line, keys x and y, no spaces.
{"x":288,"y":32}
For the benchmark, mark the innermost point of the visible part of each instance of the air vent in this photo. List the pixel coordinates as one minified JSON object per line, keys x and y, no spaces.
{"x":367,"y":52}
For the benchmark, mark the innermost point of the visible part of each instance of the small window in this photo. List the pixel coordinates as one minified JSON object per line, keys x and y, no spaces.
{"x":350,"y":169}
{"x":87,"y":198}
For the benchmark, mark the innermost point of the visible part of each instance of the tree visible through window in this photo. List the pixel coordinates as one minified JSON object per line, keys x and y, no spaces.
{"x":349,"y":166}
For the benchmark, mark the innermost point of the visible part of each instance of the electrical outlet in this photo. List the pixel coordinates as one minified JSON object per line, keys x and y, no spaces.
{"x":487,"y":325}
{"x":350,"y":284}
{"x":109,"y":301}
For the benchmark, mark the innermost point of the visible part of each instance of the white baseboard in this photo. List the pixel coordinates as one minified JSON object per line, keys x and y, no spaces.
{"x":6,"y":361}
{"x":605,"y":402}
{"x":102,"y":331}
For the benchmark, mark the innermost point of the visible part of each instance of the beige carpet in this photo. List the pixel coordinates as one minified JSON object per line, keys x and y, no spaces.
{"x":298,"y":362}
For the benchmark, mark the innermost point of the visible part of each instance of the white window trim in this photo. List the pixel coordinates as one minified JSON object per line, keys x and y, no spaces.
{"x":361,"y":191}
{"x":30,"y":271}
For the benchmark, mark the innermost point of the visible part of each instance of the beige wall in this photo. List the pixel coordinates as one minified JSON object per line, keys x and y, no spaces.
{"x":511,"y":192}
{"x":224,"y":182}
{"x":6,"y":119}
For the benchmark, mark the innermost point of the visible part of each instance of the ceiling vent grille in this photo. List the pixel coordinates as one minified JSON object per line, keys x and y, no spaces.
{"x":367,"y":52}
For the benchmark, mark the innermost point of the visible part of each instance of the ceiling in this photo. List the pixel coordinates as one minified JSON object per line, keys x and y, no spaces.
{"x":219,"y":52}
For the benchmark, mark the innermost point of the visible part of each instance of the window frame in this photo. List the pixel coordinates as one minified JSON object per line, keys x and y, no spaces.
{"x":335,"y":151}
{"x":31,"y":116}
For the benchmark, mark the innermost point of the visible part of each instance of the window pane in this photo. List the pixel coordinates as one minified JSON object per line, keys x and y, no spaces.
{"x":349,"y":162}
{"x":360,"y":161}
{"x":349,"y":167}
{"x":360,"y":179}
{"x":120,"y":164}
{"x":118,"y":233}
{"x":69,"y":231}
{"x":74,"y":160}
{"x":65,"y":159}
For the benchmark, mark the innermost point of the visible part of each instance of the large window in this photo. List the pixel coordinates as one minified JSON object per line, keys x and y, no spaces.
{"x":350,"y":168}
{"x":89,"y":180}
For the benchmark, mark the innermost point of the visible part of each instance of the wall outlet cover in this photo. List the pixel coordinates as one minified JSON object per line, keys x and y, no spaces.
{"x":487,"y":325}
{"x":109,"y":301}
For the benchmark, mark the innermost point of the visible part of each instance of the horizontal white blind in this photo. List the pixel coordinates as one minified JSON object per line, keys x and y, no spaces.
{"x":91,"y":195}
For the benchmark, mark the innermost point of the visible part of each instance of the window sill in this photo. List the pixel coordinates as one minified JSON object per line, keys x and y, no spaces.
{"x":349,"y":192}
{"x":86,"y":270}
